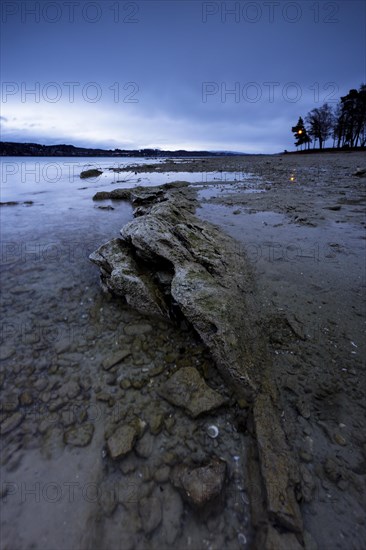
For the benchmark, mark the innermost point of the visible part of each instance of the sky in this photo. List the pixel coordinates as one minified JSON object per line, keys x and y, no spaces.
{"x":230,"y":76}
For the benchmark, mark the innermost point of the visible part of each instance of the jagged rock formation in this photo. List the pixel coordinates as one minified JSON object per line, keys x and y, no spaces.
{"x":171,"y":264}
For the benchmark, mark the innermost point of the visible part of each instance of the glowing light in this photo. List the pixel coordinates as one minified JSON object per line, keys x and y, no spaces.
{"x":292,"y":178}
{"x":299,"y":132}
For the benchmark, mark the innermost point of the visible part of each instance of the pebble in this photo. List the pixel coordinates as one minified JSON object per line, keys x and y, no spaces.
{"x":339,"y":439}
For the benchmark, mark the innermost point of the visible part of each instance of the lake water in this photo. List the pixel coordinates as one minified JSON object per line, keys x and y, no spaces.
{"x":57,"y":329}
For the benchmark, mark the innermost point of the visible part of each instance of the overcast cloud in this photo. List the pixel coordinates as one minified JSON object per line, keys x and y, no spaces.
{"x":174,"y":74}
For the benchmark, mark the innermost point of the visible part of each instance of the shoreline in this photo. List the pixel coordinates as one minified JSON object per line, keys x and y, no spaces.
{"x":310,"y":312}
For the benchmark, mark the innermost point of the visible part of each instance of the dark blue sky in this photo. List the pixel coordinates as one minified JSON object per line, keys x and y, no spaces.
{"x":175,"y":74}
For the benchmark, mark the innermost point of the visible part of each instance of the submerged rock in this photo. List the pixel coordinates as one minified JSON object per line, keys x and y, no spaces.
{"x":200,"y":485}
{"x":80,"y":436}
{"x":116,"y":194}
{"x":116,"y":358}
{"x":92,"y":173}
{"x":121,"y":441}
{"x":11,"y":422}
{"x":187,"y":389}
{"x":150,"y":511}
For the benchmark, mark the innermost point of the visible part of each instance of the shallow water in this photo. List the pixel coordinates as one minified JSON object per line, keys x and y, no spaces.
{"x":57,"y":329}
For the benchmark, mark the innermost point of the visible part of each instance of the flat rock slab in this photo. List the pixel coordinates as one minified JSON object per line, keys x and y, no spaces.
{"x":121,"y":441}
{"x":187,"y":389}
{"x":79,"y":436}
{"x":200,"y":485}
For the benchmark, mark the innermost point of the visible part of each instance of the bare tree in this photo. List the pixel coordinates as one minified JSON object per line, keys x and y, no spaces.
{"x":320,"y":123}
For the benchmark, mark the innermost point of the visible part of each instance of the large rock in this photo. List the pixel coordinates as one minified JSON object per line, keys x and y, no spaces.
{"x":169,"y":263}
{"x":200,"y":485}
{"x":121,"y":274}
{"x":187,"y":389}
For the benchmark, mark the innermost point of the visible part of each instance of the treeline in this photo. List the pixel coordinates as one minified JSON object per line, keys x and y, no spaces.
{"x":345,"y":123}
{"x":8,"y":149}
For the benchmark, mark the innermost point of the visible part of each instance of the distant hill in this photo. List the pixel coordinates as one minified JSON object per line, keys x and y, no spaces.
{"x":11,"y":149}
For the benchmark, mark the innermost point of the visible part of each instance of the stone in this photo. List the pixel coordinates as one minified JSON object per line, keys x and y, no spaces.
{"x":61,"y":346}
{"x":162,"y":474}
{"x":199,"y":485}
{"x":6,"y":352}
{"x":108,"y":498}
{"x":150,"y":513}
{"x":307,"y":484}
{"x":121,"y":442}
{"x":187,"y":389}
{"x":137,"y":329}
{"x":116,"y":194}
{"x":276,"y":540}
{"x":116,"y":358}
{"x":144,"y":446}
{"x":41,"y":384}
{"x":91,"y":173}
{"x":156,"y":423}
{"x":172,"y":507}
{"x":339,"y":439}
{"x":11,"y":423}
{"x":125,"y":383}
{"x":10,"y":402}
{"x":26,"y":398}
{"x":121,"y":275}
{"x":79,"y":436}
{"x":70,"y":389}
{"x":109,"y":207}
{"x":276,"y":465}
{"x":334,"y":470}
